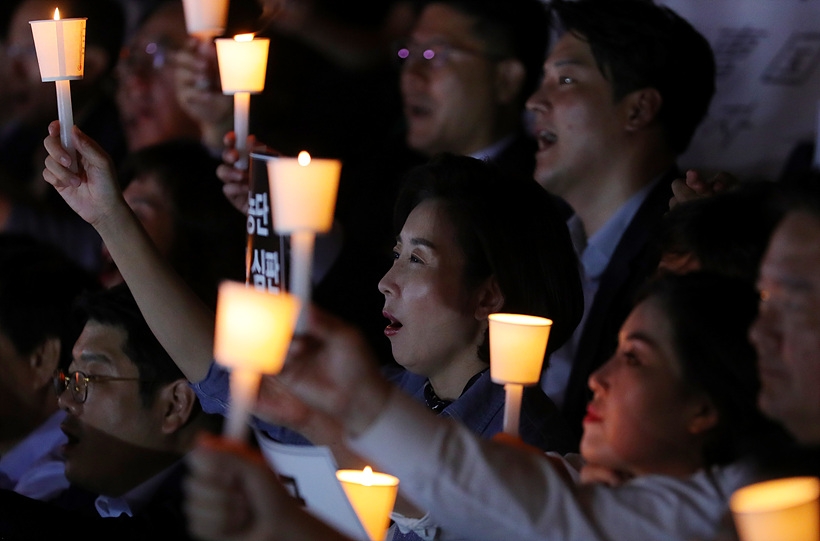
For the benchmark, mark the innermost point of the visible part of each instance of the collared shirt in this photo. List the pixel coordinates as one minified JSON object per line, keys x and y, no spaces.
{"x":34,"y":467}
{"x":594,"y":254}
{"x":133,"y":500}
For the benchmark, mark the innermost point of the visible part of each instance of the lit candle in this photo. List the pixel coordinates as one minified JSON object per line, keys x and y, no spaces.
{"x":205,"y":19}
{"x":779,"y":510}
{"x":243,"y":61}
{"x":372,"y":496}
{"x":60,"y":46}
{"x":253,"y":331}
{"x":517,"y":347}
{"x":303,"y":196}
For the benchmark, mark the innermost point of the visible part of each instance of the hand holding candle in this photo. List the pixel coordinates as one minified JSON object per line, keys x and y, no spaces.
{"x":60,"y":46}
{"x":243,"y":62}
{"x":303,"y":197}
{"x":517,"y":347}
{"x":253,"y":331}
{"x":372,"y":496}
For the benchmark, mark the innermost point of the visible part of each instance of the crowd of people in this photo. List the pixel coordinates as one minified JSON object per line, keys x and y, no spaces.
{"x":518,"y":156}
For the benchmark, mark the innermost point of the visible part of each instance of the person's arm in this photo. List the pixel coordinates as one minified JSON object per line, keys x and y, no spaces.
{"x":178,"y":318}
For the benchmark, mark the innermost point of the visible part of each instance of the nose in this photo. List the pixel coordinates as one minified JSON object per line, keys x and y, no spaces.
{"x":539,"y":100}
{"x":598,"y":381}
{"x":67,"y":403}
{"x":763,"y":333}
{"x":387,"y":285}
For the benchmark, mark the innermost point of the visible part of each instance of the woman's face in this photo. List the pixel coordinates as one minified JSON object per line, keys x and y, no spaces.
{"x":432,"y":315}
{"x":642,"y":418}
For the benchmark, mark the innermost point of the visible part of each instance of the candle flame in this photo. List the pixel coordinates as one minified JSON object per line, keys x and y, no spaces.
{"x":304,"y":159}
{"x":367,"y":476}
{"x":243,"y":37}
{"x":56,"y":14}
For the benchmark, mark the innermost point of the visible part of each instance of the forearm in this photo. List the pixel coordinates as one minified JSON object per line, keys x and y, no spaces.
{"x":178,"y":318}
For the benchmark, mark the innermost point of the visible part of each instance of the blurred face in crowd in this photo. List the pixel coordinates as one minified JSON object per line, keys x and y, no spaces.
{"x":643,"y":418}
{"x":448,"y":85}
{"x":786,"y":333}
{"x":432,"y":314}
{"x":578,"y":124}
{"x":146,"y":95}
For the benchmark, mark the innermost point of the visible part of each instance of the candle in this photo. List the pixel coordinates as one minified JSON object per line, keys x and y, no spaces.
{"x":243,"y":62}
{"x":372,"y":496}
{"x":253,"y":331}
{"x":779,"y":510}
{"x":205,"y":19}
{"x":60,"y":47}
{"x":303,"y":196}
{"x":517,"y":347}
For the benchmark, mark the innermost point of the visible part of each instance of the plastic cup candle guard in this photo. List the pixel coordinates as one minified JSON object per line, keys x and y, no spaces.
{"x":60,"y":47}
{"x":303,"y":196}
{"x":205,"y":19}
{"x":372,"y":496}
{"x":243,"y":62}
{"x":253,"y":331}
{"x":517,"y":347}
{"x":779,"y":510}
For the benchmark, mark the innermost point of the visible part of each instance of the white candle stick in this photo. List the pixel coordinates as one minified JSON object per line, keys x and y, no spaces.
{"x":301,"y":265}
{"x":512,"y":408}
{"x":66,"y":116}
{"x":244,"y":389}
{"x":241,"y":113}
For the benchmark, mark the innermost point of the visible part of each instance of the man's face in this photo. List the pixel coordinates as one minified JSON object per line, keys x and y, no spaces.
{"x":787,"y":331}
{"x":578,"y":124}
{"x":449,"y":99}
{"x":114,"y":441}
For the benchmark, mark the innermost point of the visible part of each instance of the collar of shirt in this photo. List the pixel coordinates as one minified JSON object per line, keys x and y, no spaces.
{"x":133,"y":500}
{"x":492,"y":151}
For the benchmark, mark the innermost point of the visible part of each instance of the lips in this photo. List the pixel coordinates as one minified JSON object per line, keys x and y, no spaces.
{"x":545,"y":139}
{"x":72,"y":434}
{"x":592,"y":416}
{"x":392,"y":327}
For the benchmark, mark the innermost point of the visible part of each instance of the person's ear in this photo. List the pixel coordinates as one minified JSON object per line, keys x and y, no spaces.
{"x":642,"y":107}
{"x":177,"y":400}
{"x":490,"y":298}
{"x":704,"y":418}
{"x":43,"y":361}
{"x":509,"y":79}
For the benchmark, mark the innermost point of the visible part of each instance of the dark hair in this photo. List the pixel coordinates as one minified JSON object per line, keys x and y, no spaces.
{"x":38,"y":286}
{"x":710,"y":315}
{"x":105,"y":27}
{"x":209,"y":234}
{"x":506,"y":228}
{"x":512,"y":29}
{"x":727,"y":233}
{"x":116,"y":307}
{"x":638,"y":44}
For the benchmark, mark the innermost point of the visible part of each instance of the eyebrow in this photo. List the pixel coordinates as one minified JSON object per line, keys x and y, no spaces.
{"x":417,"y":241}
{"x":90,"y":357}
{"x":643,"y":337}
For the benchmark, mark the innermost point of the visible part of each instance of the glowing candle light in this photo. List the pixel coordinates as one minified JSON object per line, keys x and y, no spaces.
{"x":205,"y":19}
{"x":253,"y":331}
{"x":60,"y":46}
{"x":517,"y":347}
{"x":779,"y":510}
{"x":372,"y":496}
{"x":243,"y":62}
{"x":303,"y":196}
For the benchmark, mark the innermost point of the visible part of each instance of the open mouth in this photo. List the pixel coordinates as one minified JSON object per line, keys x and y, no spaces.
{"x":72,"y":437}
{"x":392,"y":327}
{"x":546,"y":139}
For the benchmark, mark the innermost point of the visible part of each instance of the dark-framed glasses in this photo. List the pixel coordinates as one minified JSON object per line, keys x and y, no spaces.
{"x":435,"y":54}
{"x":77,"y":382}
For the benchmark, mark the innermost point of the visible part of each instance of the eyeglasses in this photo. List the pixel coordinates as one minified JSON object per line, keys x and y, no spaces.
{"x":77,"y":382}
{"x":433,"y":54}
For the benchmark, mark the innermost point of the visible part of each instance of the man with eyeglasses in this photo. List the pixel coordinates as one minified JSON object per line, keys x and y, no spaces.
{"x":130,"y":417}
{"x":467,"y":69}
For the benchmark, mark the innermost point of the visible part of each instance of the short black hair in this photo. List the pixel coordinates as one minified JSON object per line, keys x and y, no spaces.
{"x":38,"y":287}
{"x":116,"y":307}
{"x":511,"y":229}
{"x":710,"y":315}
{"x":638,"y":44}
{"x":510,"y":28}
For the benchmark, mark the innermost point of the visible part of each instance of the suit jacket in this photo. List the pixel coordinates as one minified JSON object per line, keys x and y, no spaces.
{"x":634,"y":260}
{"x":74,"y":516}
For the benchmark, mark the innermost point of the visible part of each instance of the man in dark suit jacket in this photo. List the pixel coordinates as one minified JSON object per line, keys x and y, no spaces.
{"x":130,"y":417}
{"x":625,"y":85}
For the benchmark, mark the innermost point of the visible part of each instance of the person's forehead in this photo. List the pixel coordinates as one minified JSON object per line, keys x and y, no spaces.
{"x":101,"y":343}
{"x":571,"y":49}
{"x":794,"y":249}
{"x":445,"y":23}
